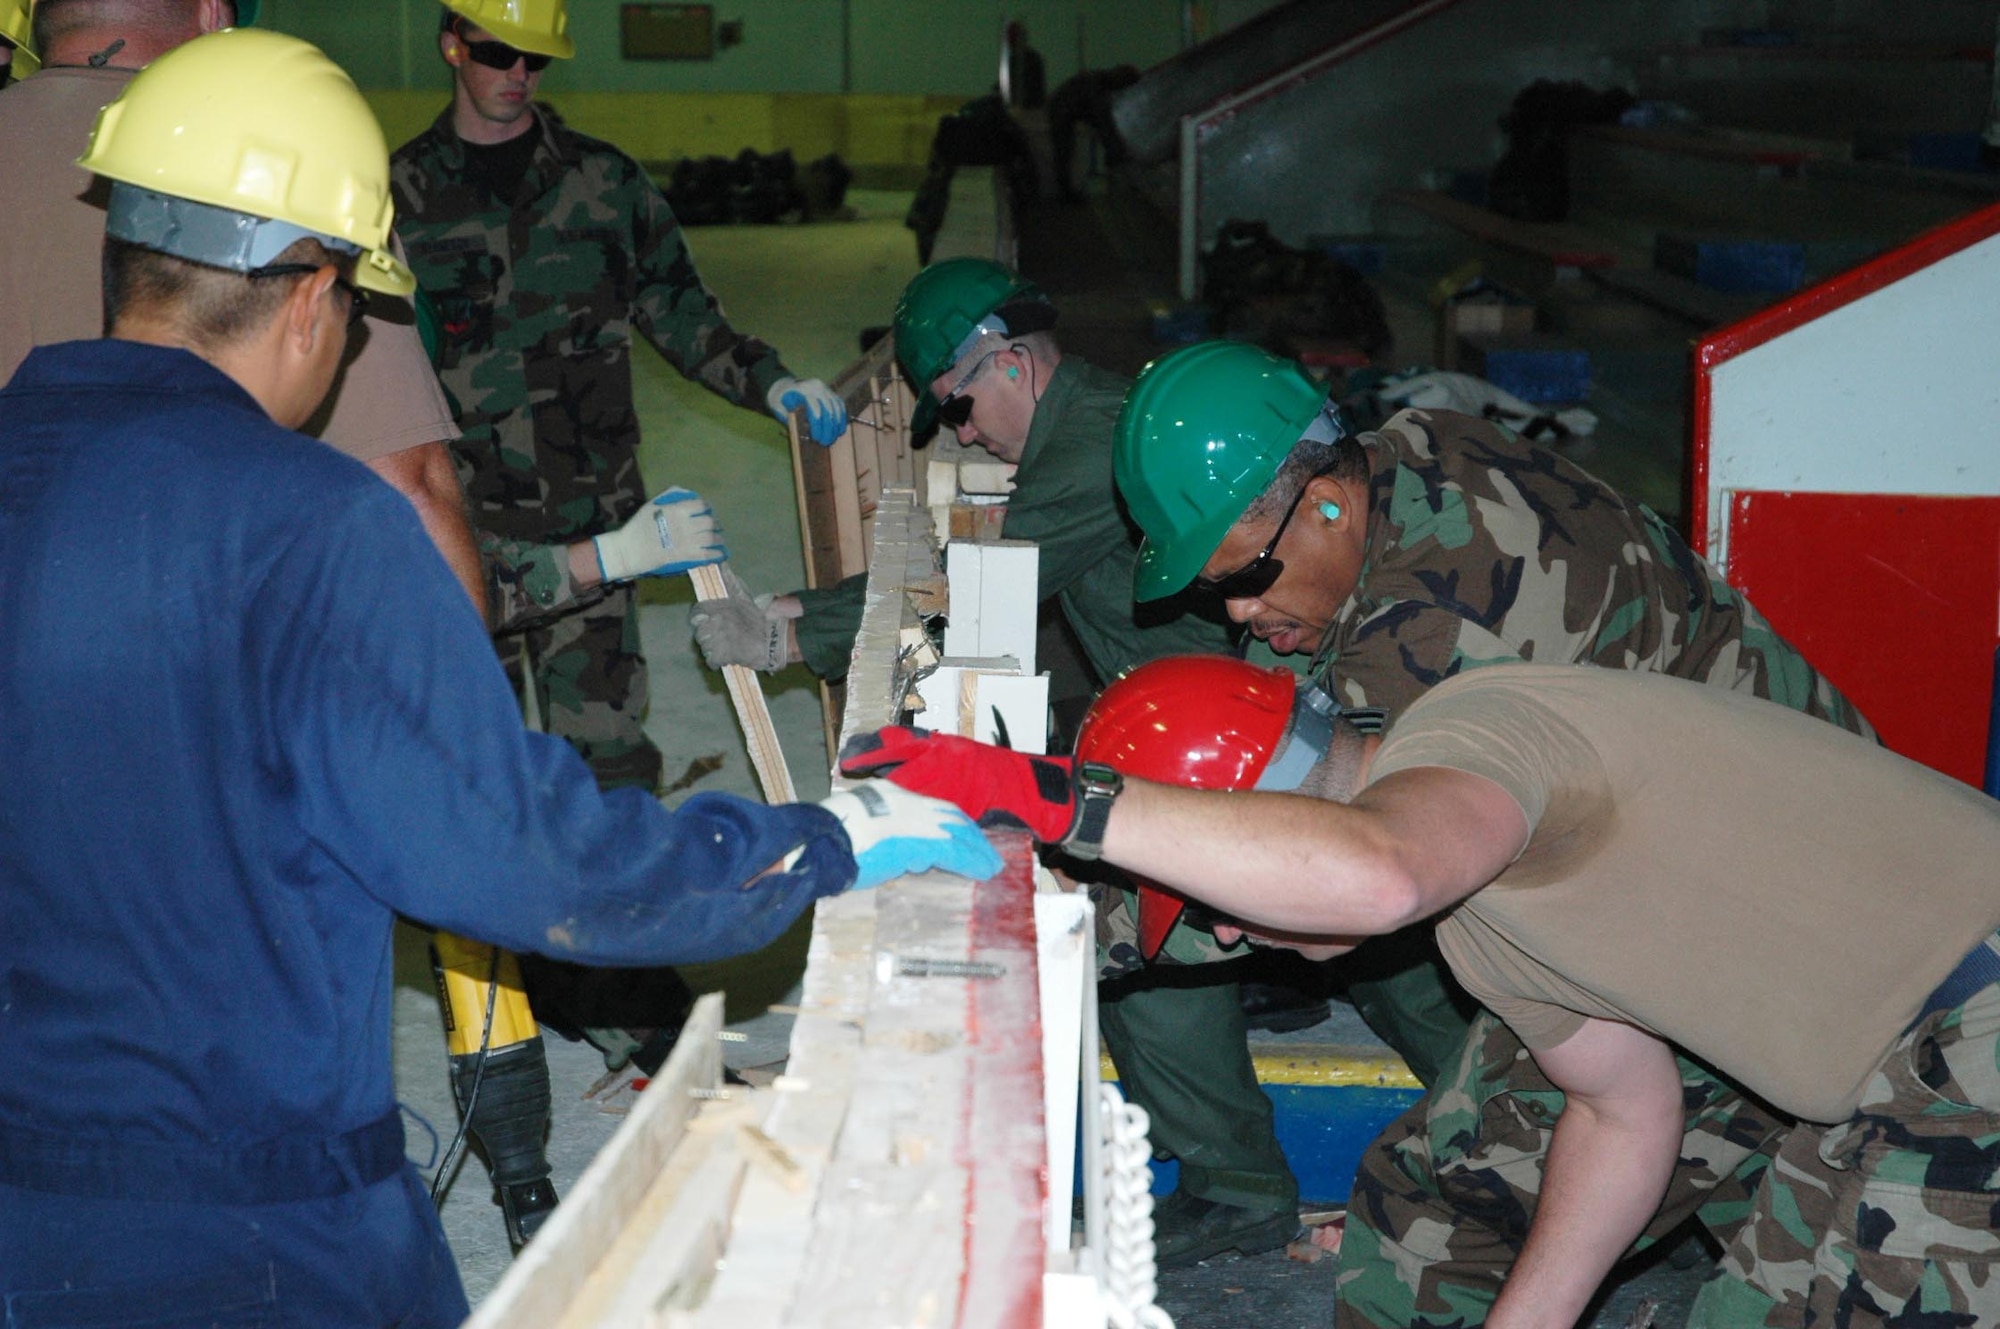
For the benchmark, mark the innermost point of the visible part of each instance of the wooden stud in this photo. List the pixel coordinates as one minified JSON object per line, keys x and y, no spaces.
{"x":554,"y":1269}
{"x":748,"y":696}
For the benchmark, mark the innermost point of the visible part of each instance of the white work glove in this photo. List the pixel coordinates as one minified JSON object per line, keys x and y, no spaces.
{"x":893,"y":831}
{"x":741,"y":630}
{"x":675,"y":531}
{"x":826,"y":413}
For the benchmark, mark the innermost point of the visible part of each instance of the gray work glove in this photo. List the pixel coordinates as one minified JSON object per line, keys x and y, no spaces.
{"x":740,"y":630}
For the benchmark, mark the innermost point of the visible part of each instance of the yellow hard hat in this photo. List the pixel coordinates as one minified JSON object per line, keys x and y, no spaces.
{"x":16,"y":25}
{"x":230,"y":147}
{"x":537,"y":26}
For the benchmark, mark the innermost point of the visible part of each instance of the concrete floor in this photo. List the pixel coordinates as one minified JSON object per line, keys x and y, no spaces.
{"x":809,"y":290}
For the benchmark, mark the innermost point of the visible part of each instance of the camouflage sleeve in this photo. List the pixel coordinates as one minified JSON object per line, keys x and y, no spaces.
{"x":1407,"y":647}
{"x":827,"y":629}
{"x":682,"y":319}
{"x":528,"y":583}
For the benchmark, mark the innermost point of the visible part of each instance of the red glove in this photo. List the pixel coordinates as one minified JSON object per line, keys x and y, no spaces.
{"x":1037,"y":792}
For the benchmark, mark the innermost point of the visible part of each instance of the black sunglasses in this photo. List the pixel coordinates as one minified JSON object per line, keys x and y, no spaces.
{"x":1260,"y":573}
{"x":956,"y":407}
{"x":357,"y":299}
{"x":499,"y":55}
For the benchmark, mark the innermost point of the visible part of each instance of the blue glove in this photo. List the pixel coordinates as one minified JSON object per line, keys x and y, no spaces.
{"x":893,"y":831}
{"x":672,"y":533}
{"x":826,"y":413}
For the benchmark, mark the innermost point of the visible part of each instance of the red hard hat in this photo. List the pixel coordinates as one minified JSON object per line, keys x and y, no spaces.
{"x":1200,"y":721}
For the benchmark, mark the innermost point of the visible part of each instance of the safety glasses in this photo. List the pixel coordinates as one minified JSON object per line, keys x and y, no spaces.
{"x":955,"y":408}
{"x":499,"y":55}
{"x":357,"y":299}
{"x":1262,"y":572}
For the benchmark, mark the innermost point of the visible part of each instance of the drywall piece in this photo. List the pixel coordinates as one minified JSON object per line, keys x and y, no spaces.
{"x":1008,"y":706}
{"x":941,"y":476}
{"x":989,"y":476}
{"x":947,"y":702}
{"x":937,"y":699}
{"x":994,"y":595}
{"x":773,"y":776}
{"x":1066,"y":954}
{"x":963,"y":571}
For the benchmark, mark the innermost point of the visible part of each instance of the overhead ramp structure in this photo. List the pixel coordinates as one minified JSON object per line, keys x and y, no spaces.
{"x":1846,"y":477}
{"x":1380,"y":97}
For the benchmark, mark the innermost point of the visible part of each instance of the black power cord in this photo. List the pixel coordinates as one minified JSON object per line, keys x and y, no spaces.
{"x":456,"y":1149}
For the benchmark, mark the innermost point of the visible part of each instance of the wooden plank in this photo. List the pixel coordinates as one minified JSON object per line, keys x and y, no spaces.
{"x":819,"y":514}
{"x":836,"y":487}
{"x":931,"y":1207}
{"x":851,"y":536}
{"x":773,"y":776}
{"x":553,"y":1269}
{"x":772,"y":1224}
{"x":903,"y":570}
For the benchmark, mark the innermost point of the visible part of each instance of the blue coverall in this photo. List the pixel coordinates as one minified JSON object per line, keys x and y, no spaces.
{"x":246,"y":719}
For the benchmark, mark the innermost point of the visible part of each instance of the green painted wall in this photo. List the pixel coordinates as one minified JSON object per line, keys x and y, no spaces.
{"x":865,"y":78}
{"x":898,"y":47}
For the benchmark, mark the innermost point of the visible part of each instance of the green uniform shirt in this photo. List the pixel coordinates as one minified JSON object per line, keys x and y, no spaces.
{"x":538,"y":296}
{"x":1065,"y":502}
{"x":1484,"y":549}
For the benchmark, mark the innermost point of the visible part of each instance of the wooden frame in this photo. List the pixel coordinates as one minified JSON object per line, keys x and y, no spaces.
{"x":839,"y":487}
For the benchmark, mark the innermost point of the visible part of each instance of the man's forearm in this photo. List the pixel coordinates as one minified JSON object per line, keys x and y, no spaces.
{"x":1608,"y":1168}
{"x":426,"y":477}
{"x":1416,"y":843}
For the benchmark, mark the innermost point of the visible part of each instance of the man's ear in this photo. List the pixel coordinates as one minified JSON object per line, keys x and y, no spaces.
{"x":306,"y":310}
{"x":451,"y":48}
{"x":1330,"y":502}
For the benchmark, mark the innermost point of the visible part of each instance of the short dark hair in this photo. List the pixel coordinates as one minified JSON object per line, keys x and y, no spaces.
{"x":212,"y":306}
{"x":1345,"y":459}
{"x":57,"y":19}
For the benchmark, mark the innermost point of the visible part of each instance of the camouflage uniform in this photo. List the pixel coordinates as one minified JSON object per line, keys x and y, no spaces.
{"x":1893,"y":1216}
{"x":1482,"y":549}
{"x":538,"y":296}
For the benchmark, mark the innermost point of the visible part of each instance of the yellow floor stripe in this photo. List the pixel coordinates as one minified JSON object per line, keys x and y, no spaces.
{"x":1324,"y":1067}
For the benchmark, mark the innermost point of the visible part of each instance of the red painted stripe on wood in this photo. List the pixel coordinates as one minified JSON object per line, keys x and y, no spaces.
{"x":1004,"y":1147}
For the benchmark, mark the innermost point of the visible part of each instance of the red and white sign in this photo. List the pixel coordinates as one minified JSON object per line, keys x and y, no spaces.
{"x":1846,"y":477}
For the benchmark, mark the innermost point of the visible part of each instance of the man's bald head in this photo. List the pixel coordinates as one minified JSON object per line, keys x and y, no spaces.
{"x":69,"y":32}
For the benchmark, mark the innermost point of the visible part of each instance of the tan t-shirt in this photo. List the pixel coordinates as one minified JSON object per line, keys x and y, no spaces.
{"x":52,"y":289}
{"x":1763,"y":889}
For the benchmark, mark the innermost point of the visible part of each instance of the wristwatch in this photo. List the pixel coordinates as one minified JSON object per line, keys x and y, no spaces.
{"x":1097,"y":787}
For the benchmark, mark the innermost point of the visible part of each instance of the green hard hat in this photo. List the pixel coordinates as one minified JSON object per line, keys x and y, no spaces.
{"x":951,"y":304}
{"x":1203,"y":432}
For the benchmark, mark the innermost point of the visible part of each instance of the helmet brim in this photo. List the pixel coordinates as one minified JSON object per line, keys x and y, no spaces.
{"x":1165,"y":569}
{"x":925,"y":414}
{"x":381,"y":271}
